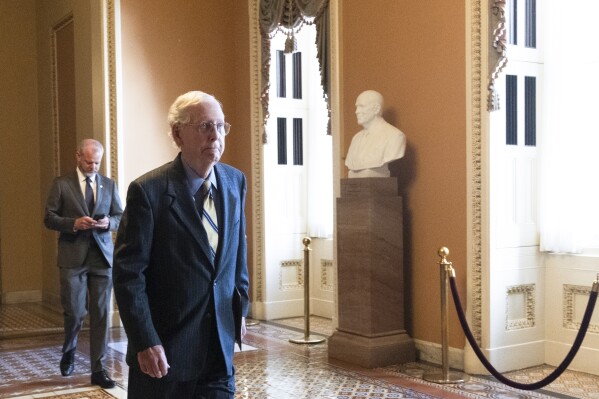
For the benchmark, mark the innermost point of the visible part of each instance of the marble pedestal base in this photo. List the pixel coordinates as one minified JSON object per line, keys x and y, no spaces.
{"x":371,"y":352}
{"x":371,"y":330}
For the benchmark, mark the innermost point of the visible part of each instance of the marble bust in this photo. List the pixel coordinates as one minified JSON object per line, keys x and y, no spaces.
{"x":377,"y":144}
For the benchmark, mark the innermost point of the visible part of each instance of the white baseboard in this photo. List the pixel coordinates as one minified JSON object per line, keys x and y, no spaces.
{"x":290,"y":308}
{"x":584,"y":361}
{"x":504,"y":359}
{"x":516,"y":357}
{"x":322,"y":308}
{"x":22,"y":296}
{"x":432,"y":353}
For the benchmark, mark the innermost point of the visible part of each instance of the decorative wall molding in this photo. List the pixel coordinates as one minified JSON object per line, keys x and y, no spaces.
{"x":528,"y":291}
{"x":111,"y":73}
{"x":326,"y":275}
{"x":54,"y":79}
{"x":476,"y":109}
{"x":298,"y":265}
{"x":572,"y":294}
{"x":258,"y":267}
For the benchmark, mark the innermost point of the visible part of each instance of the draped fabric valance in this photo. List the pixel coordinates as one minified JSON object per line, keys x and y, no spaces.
{"x":497,"y":50}
{"x":289,"y":16}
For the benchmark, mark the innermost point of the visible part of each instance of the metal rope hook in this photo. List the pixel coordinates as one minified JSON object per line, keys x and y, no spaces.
{"x":446,"y":376}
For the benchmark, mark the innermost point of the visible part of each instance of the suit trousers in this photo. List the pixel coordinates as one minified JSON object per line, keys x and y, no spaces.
{"x":93,"y":277}
{"x":214,"y":383}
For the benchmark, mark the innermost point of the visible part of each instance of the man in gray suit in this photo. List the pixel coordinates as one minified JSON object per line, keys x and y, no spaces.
{"x":85,"y":207}
{"x":181,"y":283}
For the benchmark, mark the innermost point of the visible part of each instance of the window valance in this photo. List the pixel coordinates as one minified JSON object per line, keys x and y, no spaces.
{"x":498,"y":49}
{"x":289,"y":16}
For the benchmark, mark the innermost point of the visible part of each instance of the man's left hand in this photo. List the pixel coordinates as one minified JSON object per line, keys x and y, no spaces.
{"x":102,"y":223}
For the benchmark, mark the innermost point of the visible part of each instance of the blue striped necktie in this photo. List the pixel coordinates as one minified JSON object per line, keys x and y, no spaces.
{"x":208,"y":215}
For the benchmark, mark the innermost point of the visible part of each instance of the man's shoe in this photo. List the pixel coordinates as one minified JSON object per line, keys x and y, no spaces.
{"x":102,"y":379}
{"x":67,"y":363}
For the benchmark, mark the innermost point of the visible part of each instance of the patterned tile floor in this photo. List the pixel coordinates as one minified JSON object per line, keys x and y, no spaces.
{"x":270,"y":368}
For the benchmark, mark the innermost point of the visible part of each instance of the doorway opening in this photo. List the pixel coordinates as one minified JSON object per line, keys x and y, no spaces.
{"x":298,"y":182}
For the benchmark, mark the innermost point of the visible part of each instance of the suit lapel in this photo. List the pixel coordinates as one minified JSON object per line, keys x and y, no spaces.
{"x":224,"y":188}
{"x":75,"y":187}
{"x":183,"y":206}
{"x":99,"y":191}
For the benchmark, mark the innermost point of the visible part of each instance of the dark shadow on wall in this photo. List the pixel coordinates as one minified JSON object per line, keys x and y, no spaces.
{"x":404,"y":170}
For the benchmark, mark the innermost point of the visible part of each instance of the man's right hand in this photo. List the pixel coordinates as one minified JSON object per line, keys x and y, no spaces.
{"x":152,"y":361}
{"x":84,"y":223}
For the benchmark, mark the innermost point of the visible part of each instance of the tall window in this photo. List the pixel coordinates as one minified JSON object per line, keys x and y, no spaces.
{"x":297,"y":130}
{"x":569,"y":189}
{"x":514,"y":151}
{"x":545,"y":132}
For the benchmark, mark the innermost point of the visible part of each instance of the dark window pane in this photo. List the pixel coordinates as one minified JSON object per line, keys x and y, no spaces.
{"x":281,"y":75}
{"x":511,"y":110}
{"x":531,"y":24}
{"x":530,"y":111}
{"x":298,"y":146}
{"x":282,"y":140}
{"x":297,"y":75}
{"x":513,"y":22}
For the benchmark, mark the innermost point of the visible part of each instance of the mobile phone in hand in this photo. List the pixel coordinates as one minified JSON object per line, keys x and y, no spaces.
{"x":99,"y":217}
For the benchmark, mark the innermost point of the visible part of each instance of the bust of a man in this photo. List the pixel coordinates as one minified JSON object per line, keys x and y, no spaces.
{"x":377,"y":144}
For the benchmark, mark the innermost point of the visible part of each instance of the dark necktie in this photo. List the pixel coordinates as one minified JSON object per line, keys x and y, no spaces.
{"x":208,"y":214}
{"x":89,"y":195}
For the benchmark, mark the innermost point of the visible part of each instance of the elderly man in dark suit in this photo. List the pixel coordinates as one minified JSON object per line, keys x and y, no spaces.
{"x":180,"y":263}
{"x":85,"y":207}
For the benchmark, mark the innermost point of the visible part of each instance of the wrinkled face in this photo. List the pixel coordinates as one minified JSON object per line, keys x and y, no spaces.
{"x":89,"y":160}
{"x":366,"y":109}
{"x":197,"y":145}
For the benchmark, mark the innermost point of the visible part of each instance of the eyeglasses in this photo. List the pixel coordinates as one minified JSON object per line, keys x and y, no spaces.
{"x":206,"y":127}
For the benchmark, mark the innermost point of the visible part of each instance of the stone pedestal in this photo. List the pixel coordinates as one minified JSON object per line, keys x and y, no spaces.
{"x":371,"y":330}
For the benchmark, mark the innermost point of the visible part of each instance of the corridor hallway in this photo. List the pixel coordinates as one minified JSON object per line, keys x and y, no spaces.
{"x":270,"y":367}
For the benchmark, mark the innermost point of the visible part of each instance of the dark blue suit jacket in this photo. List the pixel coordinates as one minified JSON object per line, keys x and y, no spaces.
{"x":163,"y":276}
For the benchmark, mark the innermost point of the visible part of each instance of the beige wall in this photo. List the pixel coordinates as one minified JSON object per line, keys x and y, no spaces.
{"x":88,"y":119}
{"x":28,"y":250}
{"x":185,"y":47}
{"x":413,"y":52}
{"x":20,"y":229}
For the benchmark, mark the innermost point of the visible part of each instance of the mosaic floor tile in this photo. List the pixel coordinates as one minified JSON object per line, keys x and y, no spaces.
{"x":28,"y":319}
{"x":274,"y":369}
{"x":318,"y":325}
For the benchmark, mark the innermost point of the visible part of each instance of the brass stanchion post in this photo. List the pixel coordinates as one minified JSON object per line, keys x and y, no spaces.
{"x":307,"y":338}
{"x":446,"y":376}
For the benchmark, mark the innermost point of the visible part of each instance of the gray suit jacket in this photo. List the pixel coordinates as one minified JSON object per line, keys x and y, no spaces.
{"x":65,"y":203}
{"x":163,"y":276}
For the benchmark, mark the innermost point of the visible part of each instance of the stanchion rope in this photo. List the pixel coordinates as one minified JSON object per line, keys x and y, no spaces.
{"x":555,"y":373}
